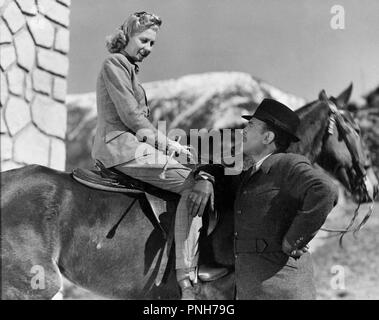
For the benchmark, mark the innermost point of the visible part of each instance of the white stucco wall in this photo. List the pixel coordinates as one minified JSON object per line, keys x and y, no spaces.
{"x":34,"y":43}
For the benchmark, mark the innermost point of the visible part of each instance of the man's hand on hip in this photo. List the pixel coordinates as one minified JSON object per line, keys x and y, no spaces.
{"x":294,"y":253}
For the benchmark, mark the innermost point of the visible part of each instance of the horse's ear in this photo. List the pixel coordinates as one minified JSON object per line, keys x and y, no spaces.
{"x":344,"y":96}
{"x":322,"y":96}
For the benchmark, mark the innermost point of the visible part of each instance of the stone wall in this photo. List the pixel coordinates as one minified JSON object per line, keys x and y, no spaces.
{"x":34,"y":43}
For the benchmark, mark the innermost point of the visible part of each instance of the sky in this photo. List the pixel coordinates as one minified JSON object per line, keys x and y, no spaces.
{"x":287,"y":43}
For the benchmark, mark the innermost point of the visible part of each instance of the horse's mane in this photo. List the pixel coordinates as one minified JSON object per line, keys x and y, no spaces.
{"x":314,"y":121}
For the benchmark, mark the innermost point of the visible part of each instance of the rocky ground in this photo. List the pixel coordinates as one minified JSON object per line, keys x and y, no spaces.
{"x":357,"y":262}
{"x":358,"y":259}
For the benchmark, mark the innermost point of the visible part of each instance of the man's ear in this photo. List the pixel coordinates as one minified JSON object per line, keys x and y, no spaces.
{"x":269,"y":137}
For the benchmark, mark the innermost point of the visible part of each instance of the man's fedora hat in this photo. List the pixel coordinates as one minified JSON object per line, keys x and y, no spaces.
{"x":278,"y":115}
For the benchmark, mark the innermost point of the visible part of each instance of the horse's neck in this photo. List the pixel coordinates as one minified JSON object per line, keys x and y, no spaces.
{"x":314,"y":121}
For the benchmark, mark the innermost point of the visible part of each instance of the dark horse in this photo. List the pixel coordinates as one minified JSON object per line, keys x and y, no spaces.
{"x":54,"y":226}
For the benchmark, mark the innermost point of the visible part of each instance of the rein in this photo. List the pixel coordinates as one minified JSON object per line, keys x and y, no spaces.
{"x":336,"y":120}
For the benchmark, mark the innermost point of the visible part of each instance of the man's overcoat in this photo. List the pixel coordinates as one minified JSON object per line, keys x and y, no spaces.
{"x":286,"y":197}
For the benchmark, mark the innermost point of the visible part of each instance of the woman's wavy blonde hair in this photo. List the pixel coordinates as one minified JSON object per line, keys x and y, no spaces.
{"x":136,"y":23}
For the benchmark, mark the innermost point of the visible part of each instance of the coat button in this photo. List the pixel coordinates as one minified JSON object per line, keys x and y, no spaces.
{"x":239,"y":211}
{"x":236,"y":234}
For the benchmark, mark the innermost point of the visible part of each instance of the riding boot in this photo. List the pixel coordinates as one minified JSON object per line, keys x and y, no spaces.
{"x":183,"y":276}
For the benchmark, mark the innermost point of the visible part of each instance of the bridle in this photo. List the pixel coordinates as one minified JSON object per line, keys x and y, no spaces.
{"x":337,"y":120}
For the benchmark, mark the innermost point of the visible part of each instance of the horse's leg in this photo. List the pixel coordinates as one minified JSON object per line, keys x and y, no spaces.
{"x":28,"y":270}
{"x":29,"y":236}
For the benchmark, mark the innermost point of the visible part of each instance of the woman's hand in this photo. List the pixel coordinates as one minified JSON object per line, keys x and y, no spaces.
{"x":197,"y":200}
{"x":178,"y":149}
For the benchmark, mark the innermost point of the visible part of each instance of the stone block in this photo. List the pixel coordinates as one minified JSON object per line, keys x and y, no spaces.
{"x":55,"y":11}
{"x":25,"y":49}
{"x":31,"y":146}
{"x":5,"y":34}
{"x":49,"y":116}
{"x":17,"y":114}
{"x":9,"y":165}
{"x":42,"y":31}
{"x":7,"y":56}
{"x":14,"y":18}
{"x":3,"y":89}
{"x":52,"y":61}
{"x":65,"y":2}
{"x":57,"y":154}
{"x":3,"y":126}
{"x":28,"y":6}
{"x":16,"y":77}
{"x":6,"y":145}
{"x":62,"y":40}
{"x":28,"y":88}
{"x":60,"y":89}
{"x":42,"y":81}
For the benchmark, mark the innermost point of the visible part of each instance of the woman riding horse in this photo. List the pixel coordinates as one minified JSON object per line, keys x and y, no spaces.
{"x":127,"y":141}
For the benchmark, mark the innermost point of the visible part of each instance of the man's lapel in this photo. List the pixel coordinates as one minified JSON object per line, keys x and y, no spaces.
{"x":270,"y":161}
{"x":246,"y":175}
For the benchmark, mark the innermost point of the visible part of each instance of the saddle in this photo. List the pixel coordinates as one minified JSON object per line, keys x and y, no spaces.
{"x":109,"y":179}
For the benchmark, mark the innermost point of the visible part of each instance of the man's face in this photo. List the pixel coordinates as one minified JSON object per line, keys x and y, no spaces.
{"x":141,"y":44}
{"x":253,"y":137}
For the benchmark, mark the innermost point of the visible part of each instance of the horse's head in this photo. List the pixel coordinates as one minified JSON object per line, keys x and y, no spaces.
{"x":345,"y":153}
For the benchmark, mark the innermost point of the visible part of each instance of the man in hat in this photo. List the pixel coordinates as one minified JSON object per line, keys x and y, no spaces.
{"x":280,"y":204}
